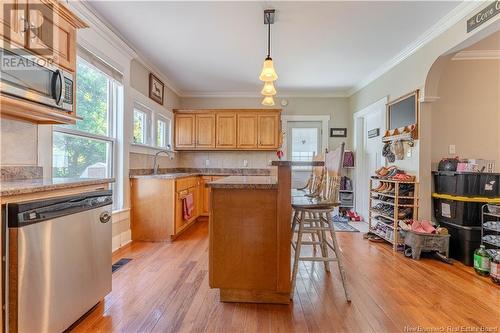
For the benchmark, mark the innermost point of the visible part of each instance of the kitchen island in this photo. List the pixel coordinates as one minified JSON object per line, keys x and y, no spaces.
{"x":249,"y":251}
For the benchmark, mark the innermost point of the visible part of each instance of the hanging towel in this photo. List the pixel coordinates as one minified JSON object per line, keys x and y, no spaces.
{"x":187,"y":206}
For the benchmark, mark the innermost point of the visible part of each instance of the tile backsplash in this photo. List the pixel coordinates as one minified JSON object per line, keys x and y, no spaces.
{"x":229,"y":159}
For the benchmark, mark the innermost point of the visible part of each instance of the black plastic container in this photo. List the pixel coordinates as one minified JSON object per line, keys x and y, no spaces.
{"x":464,"y":240}
{"x":488,"y":185}
{"x":457,"y":212}
{"x":467,"y":183}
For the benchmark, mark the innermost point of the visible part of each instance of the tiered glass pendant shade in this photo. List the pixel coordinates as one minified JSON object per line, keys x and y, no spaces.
{"x":268,"y":89}
{"x":268,"y":73}
{"x":268,"y":101}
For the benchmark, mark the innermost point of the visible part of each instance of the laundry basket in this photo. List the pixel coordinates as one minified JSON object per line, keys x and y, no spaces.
{"x":418,"y":242}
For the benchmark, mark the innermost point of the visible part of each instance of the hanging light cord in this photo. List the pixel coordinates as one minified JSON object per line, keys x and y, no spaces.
{"x":268,"y":36}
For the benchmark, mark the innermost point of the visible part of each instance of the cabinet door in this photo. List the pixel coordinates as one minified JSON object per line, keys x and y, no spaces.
{"x":268,"y":131}
{"x":55,"y":34}
{"x":205,"y":131}
{"x":226,"y":130}
{"x":13,"y":21}
{"x":184,"y":131}
{"x":247,"y":131}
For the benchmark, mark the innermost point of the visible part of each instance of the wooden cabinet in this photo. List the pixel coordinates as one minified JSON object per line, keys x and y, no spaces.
{"x":226,"y":130}
{"x":248,"y":131}
{"x":157,"y":206}
{"x":268,"y":135}
{"x":205,"y":131}
{"x":205,"y":195}
{"x":56,"y":34}
{"x":13,"y":22}
{"x":185,"y":131}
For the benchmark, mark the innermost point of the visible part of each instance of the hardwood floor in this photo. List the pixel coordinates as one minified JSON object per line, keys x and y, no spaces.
{"x":165,"y":289}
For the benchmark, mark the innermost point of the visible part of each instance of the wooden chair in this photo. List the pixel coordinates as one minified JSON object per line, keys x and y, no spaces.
{"x":314,"y":215}
{"x":314,"y":181}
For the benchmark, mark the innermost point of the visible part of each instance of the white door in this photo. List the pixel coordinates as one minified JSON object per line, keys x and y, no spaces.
{"x":368,"y":151}
{"x":303,"y":143}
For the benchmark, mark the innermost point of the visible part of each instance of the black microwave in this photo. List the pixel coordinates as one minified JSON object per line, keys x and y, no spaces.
{"x":36,"y":79}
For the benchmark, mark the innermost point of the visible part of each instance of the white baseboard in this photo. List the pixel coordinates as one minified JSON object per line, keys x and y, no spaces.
{"x":121,"y":240}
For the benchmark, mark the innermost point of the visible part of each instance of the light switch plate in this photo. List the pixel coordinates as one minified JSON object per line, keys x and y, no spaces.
{"x":409,"y":152}
{"x":207,"y":162}
{"x":452,"y":149}
{"x":245,"y":163}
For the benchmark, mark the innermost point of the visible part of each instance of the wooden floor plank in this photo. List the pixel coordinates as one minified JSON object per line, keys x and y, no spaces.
{"x":165,"y":289}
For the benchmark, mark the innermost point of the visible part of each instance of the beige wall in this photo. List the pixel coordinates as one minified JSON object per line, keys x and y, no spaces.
{"x":467,"y":113}
{"x":18,"y":143}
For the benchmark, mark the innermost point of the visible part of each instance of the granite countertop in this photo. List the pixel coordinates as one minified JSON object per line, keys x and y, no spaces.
{"x":176,"y":173}
{"x":24,"y":186}
{"x":246,"y":182}
{"x":173,"y":175}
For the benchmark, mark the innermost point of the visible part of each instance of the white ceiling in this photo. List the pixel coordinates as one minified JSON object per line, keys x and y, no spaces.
{"x":217,"y":48}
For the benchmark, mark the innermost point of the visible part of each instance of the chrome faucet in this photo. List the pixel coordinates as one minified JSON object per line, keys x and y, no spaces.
{"x":155,"y":164}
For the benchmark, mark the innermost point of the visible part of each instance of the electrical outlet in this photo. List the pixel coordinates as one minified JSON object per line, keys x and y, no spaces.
{"x":451,"y":149}
{"x":270,"y":162}
{"x":409,"y":152}
{"x":245,"y":163}
{"x":207,"y":163}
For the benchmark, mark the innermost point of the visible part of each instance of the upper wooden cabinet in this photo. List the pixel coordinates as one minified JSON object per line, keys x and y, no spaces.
{"x":205,"y":131}
{"x":185,"y":131}
{"x":227,"y":129}
{"x":44,"y":27}
{"x":268,"y":136}
{"x":248,"y":131}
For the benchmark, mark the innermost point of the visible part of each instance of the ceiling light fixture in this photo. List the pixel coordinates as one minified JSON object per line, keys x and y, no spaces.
{"x":268,"y":101}
{"x":268,"y":89}
{"x":268,"y":74}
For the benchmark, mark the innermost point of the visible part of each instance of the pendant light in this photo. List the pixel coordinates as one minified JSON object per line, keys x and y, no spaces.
{"x":268,"y":73}
{"x":268,"y":89}
{"x":268,"y":101}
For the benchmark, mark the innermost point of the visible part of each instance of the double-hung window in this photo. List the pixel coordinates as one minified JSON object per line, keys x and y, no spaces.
{"x":87,"y":149}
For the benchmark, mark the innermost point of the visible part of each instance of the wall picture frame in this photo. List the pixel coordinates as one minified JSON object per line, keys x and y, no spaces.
{"x":338,"y":132}
{"x":156,"y":89}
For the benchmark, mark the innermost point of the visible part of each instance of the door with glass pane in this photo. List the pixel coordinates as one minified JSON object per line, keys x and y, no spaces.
{"x":303,"y":143}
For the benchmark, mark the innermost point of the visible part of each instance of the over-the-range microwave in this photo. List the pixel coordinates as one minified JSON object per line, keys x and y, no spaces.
{"x":35,"y":79}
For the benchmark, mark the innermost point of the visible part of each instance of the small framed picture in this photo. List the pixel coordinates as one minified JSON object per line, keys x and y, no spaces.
{"x":338,"y":132}
{"x":156,"y":88}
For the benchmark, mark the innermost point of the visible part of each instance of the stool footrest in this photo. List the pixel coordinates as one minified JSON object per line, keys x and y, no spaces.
{"x":316,"y":259}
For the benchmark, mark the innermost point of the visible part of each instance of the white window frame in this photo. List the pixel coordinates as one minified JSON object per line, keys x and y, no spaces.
{"x":147,"y":130}
{"x":166,"y":140}
{"x":113,"y":87}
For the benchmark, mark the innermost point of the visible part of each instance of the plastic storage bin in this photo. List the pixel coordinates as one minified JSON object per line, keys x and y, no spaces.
{"x":457,"y":212}
{"x":464,"y":240}
{"x":467,"y":183}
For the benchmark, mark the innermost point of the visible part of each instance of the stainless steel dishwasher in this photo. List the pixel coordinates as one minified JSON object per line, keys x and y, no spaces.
{"x":57,"y":260}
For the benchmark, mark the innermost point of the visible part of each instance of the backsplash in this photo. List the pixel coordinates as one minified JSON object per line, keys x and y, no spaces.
{"x":20,"y":172}
{"x":229,"y":159}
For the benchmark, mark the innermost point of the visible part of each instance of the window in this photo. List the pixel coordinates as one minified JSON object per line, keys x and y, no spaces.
{"x":150,"y":127}
{"x":162,"y":132}
{"x":304,"y":145}
{"x":86,"y":149}
{"x":140,"y":127}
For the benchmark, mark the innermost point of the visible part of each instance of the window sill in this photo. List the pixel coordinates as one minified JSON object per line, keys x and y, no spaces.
{"x":139,"y":148}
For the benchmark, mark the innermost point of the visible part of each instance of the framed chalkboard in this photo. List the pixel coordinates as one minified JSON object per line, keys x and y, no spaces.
{"x":403,"y":111}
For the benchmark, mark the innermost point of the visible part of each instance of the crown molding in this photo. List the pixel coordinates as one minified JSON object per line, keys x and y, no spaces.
{"x":447,"y":21}
{"x":110,"y":34}
{"x":256,"y":94}
{"x":477,"y":55}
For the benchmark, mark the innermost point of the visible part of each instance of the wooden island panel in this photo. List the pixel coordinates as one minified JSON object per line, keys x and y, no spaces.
{"x":249,"y":251}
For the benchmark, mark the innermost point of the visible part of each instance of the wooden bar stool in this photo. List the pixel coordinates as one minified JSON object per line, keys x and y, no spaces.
{"x":314,"y":215}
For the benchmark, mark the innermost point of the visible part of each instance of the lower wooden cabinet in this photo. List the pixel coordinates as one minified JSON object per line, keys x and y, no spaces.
{"x":156,"y":206}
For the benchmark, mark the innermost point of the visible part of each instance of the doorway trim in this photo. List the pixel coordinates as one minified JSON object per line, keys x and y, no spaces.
{"x":324,"y":119}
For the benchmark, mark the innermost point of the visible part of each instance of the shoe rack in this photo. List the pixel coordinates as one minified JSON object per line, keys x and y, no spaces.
{"x":390,"y":202}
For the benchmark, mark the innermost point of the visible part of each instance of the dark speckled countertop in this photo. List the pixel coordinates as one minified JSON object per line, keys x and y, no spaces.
{"x":24,"y":186}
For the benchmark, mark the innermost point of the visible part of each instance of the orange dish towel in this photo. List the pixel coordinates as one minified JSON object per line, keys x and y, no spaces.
{"x":187,"y":206}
